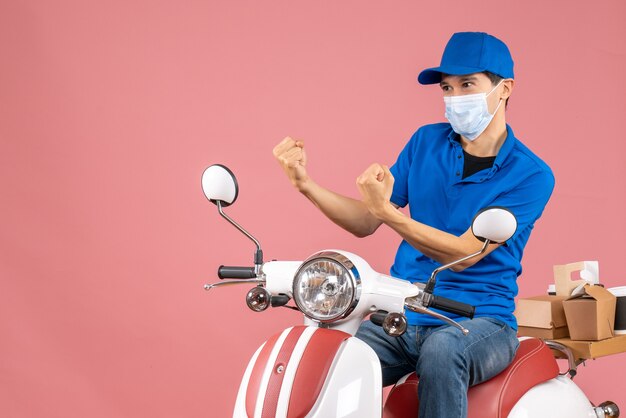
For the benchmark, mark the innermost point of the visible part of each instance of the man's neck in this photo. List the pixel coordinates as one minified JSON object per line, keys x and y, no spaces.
{"x":490,"y":141}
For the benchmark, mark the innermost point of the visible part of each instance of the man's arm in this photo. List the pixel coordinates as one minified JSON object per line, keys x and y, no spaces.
{"x":376,"y":185}
{"x":350,"y":214}
{"x":434,"y":243}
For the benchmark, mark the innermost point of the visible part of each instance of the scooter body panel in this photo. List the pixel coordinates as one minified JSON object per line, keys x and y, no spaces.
{"x":240,"y":404}
{"x":351,"y":387}
{"x":556,"y":398}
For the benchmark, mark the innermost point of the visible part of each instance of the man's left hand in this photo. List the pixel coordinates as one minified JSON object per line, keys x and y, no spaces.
{"x":375,"y":186}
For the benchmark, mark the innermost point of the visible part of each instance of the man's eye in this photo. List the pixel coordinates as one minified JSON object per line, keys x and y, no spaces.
{"x":467,"y":84}
{"x":445,"y":88}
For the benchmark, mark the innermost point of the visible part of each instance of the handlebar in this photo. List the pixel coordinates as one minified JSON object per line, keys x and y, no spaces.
{"x":451,"y":306}
{"x":235,"y":272}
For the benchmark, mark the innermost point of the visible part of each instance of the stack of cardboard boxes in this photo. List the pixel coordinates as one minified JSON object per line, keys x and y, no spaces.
{"x":581,"y":315}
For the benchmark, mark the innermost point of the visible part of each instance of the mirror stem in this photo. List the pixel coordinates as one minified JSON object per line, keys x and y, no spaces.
{"x":258,"y":255}
{"x":430,"y":286}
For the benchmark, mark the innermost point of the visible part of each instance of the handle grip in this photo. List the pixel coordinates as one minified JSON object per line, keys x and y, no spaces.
{"x":279,"y":300}
{"x":452,"y":306}
{"x":234,"y":272}
{"x":378,"y":317}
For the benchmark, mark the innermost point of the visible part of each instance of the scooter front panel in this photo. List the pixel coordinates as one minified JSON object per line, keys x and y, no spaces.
{"x":286,"y":375}
{"x":240,"y":403}
{"x":290,"y":372}
{"x":313,"y":370}
{"x":353,"y":388}
{"x":277,"y":373}
{"x":261,"y":373}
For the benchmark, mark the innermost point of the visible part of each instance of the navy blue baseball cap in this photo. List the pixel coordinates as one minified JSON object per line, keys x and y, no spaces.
{"x":468,"y":53}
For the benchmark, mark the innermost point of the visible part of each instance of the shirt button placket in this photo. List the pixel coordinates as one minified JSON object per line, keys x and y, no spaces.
{"x":459,"y":163}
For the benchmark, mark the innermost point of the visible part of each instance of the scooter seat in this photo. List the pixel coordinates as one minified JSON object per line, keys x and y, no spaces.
{"x":533,"y":364}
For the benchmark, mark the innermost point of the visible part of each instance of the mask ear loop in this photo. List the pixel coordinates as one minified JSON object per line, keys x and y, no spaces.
{"x":497,"y":85}
{"x":497,"y":107}
{"x":500,"y":102}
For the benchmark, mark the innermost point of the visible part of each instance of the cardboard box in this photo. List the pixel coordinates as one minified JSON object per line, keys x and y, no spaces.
{"x":593,"y":349}
{"x":587,"y":270}
{"x":591,"y":315}
{"x":541,"y":317}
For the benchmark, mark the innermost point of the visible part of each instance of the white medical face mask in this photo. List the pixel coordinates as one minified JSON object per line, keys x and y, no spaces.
{"x":469,"y":114}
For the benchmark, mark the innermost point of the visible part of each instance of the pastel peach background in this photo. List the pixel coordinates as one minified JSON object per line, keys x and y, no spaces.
{"x":110,"y":111}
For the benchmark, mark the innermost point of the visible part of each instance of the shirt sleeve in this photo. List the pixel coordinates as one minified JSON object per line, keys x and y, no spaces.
{"x":527,"y":200}
{"x":400,"y":171}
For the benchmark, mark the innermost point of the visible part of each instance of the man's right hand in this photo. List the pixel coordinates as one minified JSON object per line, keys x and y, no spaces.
{"x":350,"y":214}
{"x":292,"y":158}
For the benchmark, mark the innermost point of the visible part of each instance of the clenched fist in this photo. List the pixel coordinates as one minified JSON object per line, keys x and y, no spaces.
{"x":375,"y":186}
{"x":292,"y":158}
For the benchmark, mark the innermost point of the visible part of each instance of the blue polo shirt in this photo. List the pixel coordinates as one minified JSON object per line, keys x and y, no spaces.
{"x":428,"y":177}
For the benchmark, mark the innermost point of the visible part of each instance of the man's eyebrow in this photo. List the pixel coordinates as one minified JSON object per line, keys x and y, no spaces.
{"x":462,"y":80}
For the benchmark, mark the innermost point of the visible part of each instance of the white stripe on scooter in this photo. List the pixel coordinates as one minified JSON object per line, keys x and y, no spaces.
{"x":290,"y":372}
{"x":240,"y":404}
{"x":258,"y":409}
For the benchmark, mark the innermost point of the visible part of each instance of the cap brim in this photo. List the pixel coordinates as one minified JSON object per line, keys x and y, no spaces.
{"x":433,"y":75}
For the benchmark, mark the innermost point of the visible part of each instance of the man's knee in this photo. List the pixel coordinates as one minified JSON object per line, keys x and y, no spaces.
{"x":442,"y":353}
{"x":368,"y":332}
{"x":366,"y":328}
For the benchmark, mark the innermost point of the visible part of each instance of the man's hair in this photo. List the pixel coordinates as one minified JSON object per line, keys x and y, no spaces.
{"x":495,"y":79}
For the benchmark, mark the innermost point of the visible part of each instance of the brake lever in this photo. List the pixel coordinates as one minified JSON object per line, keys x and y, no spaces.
{"x":232,"y":282}
{"x":415,"y":304}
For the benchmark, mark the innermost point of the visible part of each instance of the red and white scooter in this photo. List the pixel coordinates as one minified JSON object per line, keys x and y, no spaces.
{"x":320,"y":369}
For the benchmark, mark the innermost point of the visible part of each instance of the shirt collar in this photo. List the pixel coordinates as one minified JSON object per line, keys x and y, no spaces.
{"x":506,"y":148}
{"x":504,"y":151}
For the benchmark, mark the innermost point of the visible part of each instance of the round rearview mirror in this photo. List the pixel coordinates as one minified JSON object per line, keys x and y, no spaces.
{"x":496,"y":224}
{"x":219,"y":183}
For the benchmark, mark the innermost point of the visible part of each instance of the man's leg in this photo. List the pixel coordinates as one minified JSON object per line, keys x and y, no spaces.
{"x":397,"y":355}
{"x":449,"y":362}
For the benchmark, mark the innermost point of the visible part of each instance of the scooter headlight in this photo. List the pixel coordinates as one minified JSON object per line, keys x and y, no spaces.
{"x":327,"y":287}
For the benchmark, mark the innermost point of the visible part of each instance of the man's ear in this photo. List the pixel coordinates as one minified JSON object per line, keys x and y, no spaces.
{"x":508,"y":84}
